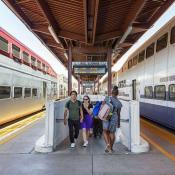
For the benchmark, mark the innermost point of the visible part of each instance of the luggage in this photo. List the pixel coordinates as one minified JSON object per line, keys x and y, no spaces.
{"x":97,"y":127}
{"x":104,"y":112}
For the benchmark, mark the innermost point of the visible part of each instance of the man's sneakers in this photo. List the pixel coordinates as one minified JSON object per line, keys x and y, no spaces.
{"x":72,"y":145}
{"x":85,"y":144}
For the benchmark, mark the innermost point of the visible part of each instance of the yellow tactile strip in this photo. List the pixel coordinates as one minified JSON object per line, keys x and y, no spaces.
{"x":167,"y":136}
{"x":9,"y":132}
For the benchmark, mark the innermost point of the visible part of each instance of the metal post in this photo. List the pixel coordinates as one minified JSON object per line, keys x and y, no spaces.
{"x":109,"y":71}
{"x":70,"y":70}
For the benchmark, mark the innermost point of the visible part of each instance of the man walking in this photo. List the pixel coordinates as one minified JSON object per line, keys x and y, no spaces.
{"x":73,"y":107}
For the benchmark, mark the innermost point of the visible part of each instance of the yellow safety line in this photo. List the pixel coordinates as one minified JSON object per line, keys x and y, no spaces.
{"x":169,"y":137}
{"x":19,"y":127}
{"x":162,"y":150}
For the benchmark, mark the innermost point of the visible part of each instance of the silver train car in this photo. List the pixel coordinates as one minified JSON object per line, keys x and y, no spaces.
{"x":149,"y":76}
{"x":26,"y":80}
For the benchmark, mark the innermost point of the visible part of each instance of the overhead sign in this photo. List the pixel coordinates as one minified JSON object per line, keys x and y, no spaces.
{"x":92,"y":63}
{"x":90,"y":70}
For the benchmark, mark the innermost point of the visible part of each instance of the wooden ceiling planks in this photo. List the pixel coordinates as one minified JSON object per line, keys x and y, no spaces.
{"x":88,"y":23}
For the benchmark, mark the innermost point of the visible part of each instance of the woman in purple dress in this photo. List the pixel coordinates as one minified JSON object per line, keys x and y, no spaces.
{"x":87,"y":122}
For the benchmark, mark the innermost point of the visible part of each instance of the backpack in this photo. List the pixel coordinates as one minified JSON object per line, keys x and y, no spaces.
{"x":96,"y":108}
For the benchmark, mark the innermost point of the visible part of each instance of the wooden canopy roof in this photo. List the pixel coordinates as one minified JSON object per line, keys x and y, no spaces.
{"x":90,"y":27}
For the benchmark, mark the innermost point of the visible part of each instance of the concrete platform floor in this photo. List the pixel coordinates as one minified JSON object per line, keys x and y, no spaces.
{"x":18,"y":158}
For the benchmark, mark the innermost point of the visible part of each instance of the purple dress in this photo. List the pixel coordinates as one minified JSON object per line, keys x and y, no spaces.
{"x":88,"y":120}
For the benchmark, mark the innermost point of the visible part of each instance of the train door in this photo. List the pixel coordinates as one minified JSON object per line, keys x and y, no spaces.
{"x":44,"y":89}
{"x":133,"y":89}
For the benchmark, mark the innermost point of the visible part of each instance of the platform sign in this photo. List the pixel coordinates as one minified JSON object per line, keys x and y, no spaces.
{"x":90,"y":63}
{"x":88,"y":83}
{"x":90,"y":70}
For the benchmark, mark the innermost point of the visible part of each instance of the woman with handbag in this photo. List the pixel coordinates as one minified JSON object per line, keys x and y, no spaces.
{"x":87,"y":122}
{"x":110,"y":125}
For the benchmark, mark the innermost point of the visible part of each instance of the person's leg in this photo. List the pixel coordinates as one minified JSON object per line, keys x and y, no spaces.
{"x":112,"y":139}
{"x":84,"y":134}
{"x":105,"y":135}
{"x":107,"y":141}
{"x":71,"y":131}
{"x":76,"y":124}
{"x":87,"y":134}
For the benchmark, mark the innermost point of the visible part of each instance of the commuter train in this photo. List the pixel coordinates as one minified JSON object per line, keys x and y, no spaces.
{"x":26,"y":80}
{"x":149,"y":76}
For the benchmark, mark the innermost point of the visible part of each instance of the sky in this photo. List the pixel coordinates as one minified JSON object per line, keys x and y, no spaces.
{"x":15,"y":27}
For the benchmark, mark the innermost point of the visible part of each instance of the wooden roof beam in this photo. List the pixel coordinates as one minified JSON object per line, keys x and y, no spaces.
{"x":160,"y":11}
{"x":95,"y":20}
{"x":41,"y":31}
{"x":89,"y":50}
{"x":135,"y":9}
{"x":62,"y":33}
{"x":139,"y":27}
{"x":53,"y":25}
{"x":23,"y":1}
{"x":108,"y":36}
{"x":71,"y":36}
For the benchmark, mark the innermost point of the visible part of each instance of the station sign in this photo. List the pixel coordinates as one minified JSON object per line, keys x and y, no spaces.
{"x":89,"y":63}
{"x":89,"y":70}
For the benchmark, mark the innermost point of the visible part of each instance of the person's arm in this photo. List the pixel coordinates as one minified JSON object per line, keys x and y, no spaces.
{"x":65,"y":116}
{"x":81,"y":114}
{"x":88,"y":109}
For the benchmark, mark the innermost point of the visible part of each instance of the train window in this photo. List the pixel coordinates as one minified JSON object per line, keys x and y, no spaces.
{"x":5,"y":92}
{"x":172,"y":39}
{"x":162,"y":42}
{"x":150,"y":50}
{"x":3,"y":44}
{"x":148,"y":92}
{"x":172,"y":92}
{"x":27,"y":92}
{"x":17,"y":92}
{"x":34,"y":92}
{"x":160,"y":92}
{"x":15,"y":51}
{"x":33,"y":61}
{"x":134,"y":60}
{"x":26,"y":57}
{"x":141,"y":56}
{"x":129,"y":64}
{"x":39,"y":64}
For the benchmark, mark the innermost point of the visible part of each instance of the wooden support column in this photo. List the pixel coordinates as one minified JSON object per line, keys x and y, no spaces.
{"x":109,"y":71}
{"x":98,"y":85}
{"x":94,"y":87}
{"x":70,"y":70}
{"x":78,"y":84}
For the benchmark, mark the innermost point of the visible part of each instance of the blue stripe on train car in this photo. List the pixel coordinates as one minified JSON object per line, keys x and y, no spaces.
{"x":160,"y":114}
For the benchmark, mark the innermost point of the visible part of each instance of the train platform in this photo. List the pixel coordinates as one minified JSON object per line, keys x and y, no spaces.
{"x":18,"y":157}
